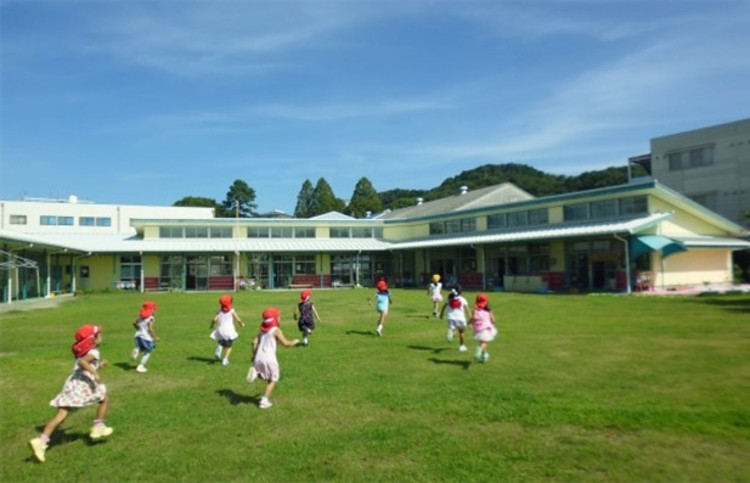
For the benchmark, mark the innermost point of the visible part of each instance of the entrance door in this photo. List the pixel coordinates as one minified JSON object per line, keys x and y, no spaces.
{"x":581,"y":271}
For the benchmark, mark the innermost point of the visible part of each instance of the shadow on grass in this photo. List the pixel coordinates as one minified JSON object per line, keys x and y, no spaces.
{"x":65,"y":436}
{"x":207,"y":360}
{"x":125,"y":366}
{"x":435,"y":350}
{"x":739,"y":305}
{"x":236,"y":399}
{"x":463,"y":364}
{"x":361,"y":332}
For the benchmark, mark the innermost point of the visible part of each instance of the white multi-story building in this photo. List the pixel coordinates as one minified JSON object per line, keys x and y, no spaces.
{"x":710,"y":165}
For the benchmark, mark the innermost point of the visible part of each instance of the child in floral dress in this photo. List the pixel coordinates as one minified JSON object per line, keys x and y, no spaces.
{"x":82,"y":388}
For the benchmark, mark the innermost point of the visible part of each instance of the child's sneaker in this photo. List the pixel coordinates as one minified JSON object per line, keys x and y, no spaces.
{"x":379,"y":331}
{"x":252,"y":375}
{"x":38,"y":448}
{"x":305,"y":342}
{"x":449,"y":336}
{"x":462,"y":348}
{"x":100,"y":431}
{"x":485,"y":356}
{"x":141,"y":368}
{"x":134,"y":354}
{"x":217,"y":353}
{"x":264,"y":403}
{"x":225,"y":362}
{"x":478,"y":354}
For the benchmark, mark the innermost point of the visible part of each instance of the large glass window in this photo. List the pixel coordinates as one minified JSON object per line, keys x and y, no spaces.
{"x":282,"y":232}
{"x":196,"y":232}
{"x":633,"y":205}
{"x":219,"y":265}
{"x":171,"y":272}
{"x":437,"y":228}
{"x":257,"y":232}
{"x":130,"y":268}
{"x":496,"y":221}
{"x":304,"y":232}
{"x":361,"y":232}
{"x":604,"y":209}
{"x":17,"y":219}
{"x":86,"y":221}
{"x":47,"y":220}
{"x":339,"y":232}
{"x":538,"y":217}
{"x":576,"y":212}
{"x":468,"y":225}
{"x":220,"y":232}
{"x":519,"y":218}
{"x":104,"y":221}
{"x":304,"y":264}
{"x":170,"y":232}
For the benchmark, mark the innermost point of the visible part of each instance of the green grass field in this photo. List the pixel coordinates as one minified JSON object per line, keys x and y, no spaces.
{"x":596,"y":388}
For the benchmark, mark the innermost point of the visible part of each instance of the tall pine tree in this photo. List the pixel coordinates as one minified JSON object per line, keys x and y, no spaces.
{"x":364,"y":199}
{"x":324,"y":200}
{"x":240,"y":200}
{"x":304,"y":200}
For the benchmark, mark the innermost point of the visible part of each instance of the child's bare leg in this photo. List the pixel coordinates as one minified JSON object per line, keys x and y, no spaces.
{"x":101,"y":410}
{"x":227,"y":352}
{"x":53,"y":423}
{"x":269,"y":389}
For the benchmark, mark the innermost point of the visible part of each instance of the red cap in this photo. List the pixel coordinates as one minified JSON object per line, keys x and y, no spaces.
{"x":85,"y":337}
{"x":305,"y":295}
{"x":147,"y":310}
{"x":226,"y":303}
{"x":270,"y":319}
{"x":382,"y":286}
{"x":481,"y":301}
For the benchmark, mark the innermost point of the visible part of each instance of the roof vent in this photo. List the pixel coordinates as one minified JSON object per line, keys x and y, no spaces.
{"x":420,"y":201}
{"x":464,"y":189}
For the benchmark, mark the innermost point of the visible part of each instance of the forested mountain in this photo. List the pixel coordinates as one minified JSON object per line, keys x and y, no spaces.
{"x":536,"y":182}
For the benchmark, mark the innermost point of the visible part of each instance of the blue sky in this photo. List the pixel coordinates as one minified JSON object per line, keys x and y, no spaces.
{"x":145,"y":102}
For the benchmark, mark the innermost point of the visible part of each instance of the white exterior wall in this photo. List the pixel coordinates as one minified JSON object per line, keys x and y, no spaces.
{"x":726,"y":181}
{"x":694,"y":267}
{"x":119,"y":215}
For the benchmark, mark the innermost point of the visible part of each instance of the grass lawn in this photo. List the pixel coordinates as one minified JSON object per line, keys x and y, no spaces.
{"x":597,"y":388}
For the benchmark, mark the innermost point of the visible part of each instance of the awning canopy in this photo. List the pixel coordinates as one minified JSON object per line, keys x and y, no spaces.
{"x":641,"y":244}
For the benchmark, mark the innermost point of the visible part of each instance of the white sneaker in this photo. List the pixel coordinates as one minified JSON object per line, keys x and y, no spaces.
{"x":449,"y":336}
{"x":225,"y":362}
{"x":217,"y":353}
{"x":134,"y":354}
{"x":100,"y":431}
{"x":141,"y":368}
{"x":305,"y":342}
{"x":379,"y":331}
{"x":252,"y":375}
{"x":265,"y":403}
{"x":478,"y":354}
{"x":462,"y":348}
{"x":38,"y":448}
{"x":485,"y":356}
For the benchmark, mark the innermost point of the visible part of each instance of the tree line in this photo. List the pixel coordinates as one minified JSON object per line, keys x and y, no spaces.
{"x":314,"y":200}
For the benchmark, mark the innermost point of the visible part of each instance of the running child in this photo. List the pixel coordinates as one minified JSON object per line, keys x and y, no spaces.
{"x":225,"y":333}
{"x":483,"y":323}
{"x":457,"y":309}
{"x":305,"y":315}
{"x":145,"y":336}
{"x":384,"y":300}
{"x":82,"y":388}
{"x":265,"y":364}
{"x":434,"y":291}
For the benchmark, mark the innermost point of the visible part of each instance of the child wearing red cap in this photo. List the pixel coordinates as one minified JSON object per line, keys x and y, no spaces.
{"x":384,"y":300}
{"x":305,"y":315}
{"x":225,"y":333}
{"x":434,"y":291}
{"x":82,"y":388}
{"x":145,"y":336}
{"x":483,"y":323}
{"x":265,"y":364}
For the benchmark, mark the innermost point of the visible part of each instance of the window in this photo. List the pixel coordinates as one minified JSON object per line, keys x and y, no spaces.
{"x":706,"y":199}
{"x":496,"y":221}
{"x":633,"y":205}
{"x":219,"y":265}
{"x":170,"y":232}
{"x":452,"y":226}
{"x":196,"y":232}
{"x":604,"y":209}
{"x":361,"y":232}
{"x":304,"y":264}
{"x":65,"y":220}
{"x":86,"y":221}
{"x":675,"y":161}
{"x":468,"y":224}
{"x":538,"y":217}
{"x":220,"y":232}
{"x":257,"y":232}
{"x":339,"y":232}
{"x":17,"y":219}
{"x":304,"y":232}
{"x":437,"y":228}
{"x":47,"y":220}
{"x":104,"y":221}
{"x":701,"y":156}
{"x":282,"y":232}
{"x":519,"y":218}
{"x":130,"y":267}
{"x":576,"y":212}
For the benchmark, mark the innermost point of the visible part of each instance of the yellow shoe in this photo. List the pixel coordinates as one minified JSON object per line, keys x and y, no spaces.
{"x":100,"y":431}
{"x":38,"y":448}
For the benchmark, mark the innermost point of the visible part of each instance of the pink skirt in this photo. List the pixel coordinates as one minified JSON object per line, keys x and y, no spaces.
{"x":79,"y":391}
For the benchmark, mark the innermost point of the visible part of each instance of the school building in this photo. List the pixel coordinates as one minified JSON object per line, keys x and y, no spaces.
{"x":617,"y":239}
